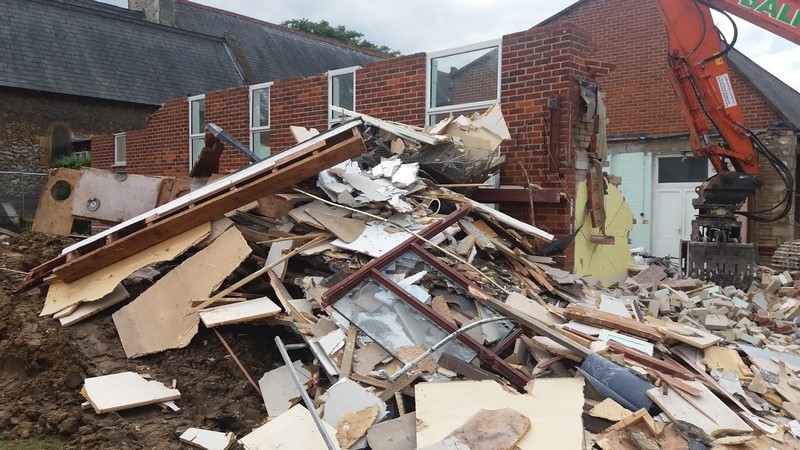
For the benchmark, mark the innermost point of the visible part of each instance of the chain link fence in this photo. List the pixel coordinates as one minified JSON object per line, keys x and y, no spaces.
{"x":19,"y":197}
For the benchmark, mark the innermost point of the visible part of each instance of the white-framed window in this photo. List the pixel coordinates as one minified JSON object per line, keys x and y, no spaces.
{"x":259,"y":119}
{"x":119,"y":149}
{"x":197,"y":123}
{"x":341,"y":92}
{"x":462,"y":80}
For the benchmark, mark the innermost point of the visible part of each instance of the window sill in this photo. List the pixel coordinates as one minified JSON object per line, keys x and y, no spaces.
{"x":119,"y":165}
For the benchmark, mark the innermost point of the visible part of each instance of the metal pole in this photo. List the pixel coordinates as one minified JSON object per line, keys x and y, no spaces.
{"x":306,"y":399}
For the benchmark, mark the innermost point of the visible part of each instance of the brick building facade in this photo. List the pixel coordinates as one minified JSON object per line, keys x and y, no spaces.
{"x":537,"y":65}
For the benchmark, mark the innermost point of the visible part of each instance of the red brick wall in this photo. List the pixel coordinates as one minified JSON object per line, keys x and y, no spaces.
{"x":393,"y":89}
{"x":476,"y":82}
{"x":230,"y":109}
{"x":301,"y":102}
{"x":630,"y":34}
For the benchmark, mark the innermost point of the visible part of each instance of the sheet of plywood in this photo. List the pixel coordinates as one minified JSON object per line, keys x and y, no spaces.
{"x":294,"y":429}
{"x":86,"y":310}
{"x":125,"y":390}
{"x":554,"y":407}
{"x":699,"y":410}
{"x":114,"y":198}
{"x":239,"y":312}
{"x":346,"y":229}
{"x":55,"y":216}
{"x":96,"y":285}
{"x":162,"y":316}
{"x":531,"y":308}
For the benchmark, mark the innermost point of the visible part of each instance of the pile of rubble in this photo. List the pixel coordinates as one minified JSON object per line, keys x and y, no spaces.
{"x":431,"y":320}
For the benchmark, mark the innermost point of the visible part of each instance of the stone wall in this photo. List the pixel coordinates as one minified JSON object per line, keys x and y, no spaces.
{"x":783,"y":144}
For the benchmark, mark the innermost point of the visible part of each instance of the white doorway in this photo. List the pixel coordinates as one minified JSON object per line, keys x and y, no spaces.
{"x":676,"y":178}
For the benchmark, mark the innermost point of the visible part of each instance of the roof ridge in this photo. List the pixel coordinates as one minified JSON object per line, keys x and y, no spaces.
{"x":284,"y":28}
{"x":125,"y":18}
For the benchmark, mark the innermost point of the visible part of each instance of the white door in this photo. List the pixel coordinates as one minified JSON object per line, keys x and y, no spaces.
{"x":676,"y":179}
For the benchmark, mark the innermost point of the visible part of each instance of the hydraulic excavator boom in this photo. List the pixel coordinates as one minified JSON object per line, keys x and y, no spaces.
{"x":699,"y":74}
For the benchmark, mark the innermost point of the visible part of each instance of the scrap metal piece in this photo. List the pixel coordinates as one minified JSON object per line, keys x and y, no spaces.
{"x":725,"y":263}
{"x":219,"y":133}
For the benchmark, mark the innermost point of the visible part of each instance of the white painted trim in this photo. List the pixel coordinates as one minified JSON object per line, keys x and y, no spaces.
{"x":331,"y":75}
{"x":250,"y":172}
{"x":190,"y":100}
{"x":256,"y":87}
{"x":117,"y":162}
{"x":455,"y":51}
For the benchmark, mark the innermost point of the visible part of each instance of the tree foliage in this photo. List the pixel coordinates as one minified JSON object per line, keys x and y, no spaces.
{"x":338,"y":33}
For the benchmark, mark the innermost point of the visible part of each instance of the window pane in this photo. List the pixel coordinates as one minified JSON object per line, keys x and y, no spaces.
{"x":433,"y":119}
{"x":260,"y":140}
{"x":682,"y":170}
{"x":343,"y":92}
{"x":197,"y":114}
{"x":260,"y":113}
{"x":197,"y":146}
{"x":119,"y":148}
{"x":464,"y":77}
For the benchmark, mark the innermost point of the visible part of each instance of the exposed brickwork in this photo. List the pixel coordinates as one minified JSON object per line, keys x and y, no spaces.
{"x":393,"y":89}
{"x":477,"y":81}
{"x":300,"y":102}
{"x":630,"y":35}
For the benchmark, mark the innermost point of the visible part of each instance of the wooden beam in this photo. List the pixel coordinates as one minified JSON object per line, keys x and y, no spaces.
{"x":612,"y":322}
{"x":516,"y":195}
{"x":280,"y":177}
{"x":399,"y":384}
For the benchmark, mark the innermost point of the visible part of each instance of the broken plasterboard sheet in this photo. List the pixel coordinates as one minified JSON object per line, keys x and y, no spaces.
{"x":218,"y":227}
{"x":347,"y":396}
{"x":492,"y":119}
{"x":239,"y":312}
{"x":344,"y":228}
{"x":374,"y":241}
{"x":162,"y":316}
{"x":366,"y":358}
{"x":54,"y":212}
{"x":300,"y":214}
{"x":125,"y":390}
{"x":614,"y":306}
{"x":689,"y":335}
{"x":628,"y":341}
{"x":606,"y":263}
{"x":512,"y":222}
{"x":487,"y":430}
{"x":98,"y":284}
{"x":207,"y":439}
{"x":108,"y":196}
{"x":531,"y":308}
{"x":277,"y":250}
{"x":767,"y":359}
{"x":86,"y":310}
{"x":294,"y":429}
{"x":610,"y":410}
{"x":698,"y":410}
{"x":353,"y":426}
{"x":278,"y":389}
{"x":333,"y":341}
{"x":554,"y":408}
{"x":395,"y":434}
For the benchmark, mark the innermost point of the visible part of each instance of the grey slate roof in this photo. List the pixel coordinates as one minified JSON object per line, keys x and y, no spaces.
{"x":273,"y":51}
{"x":65,"y":48}
{"x":780,"y":96}
{"x":90,"y":49}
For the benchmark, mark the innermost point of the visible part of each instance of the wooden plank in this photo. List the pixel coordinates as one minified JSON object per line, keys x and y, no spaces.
{"x":380,"y":384}
{"x":162,"y":318}
{"x":465,"y":369}
{"x":186,"y":218}
{"x":514,"y":194}
{"x":399,"y":384}
{"x":683,"y":333}
{"x":55,"y":216}
{"x":96,"y":285}
{"x":705,"y":411}
{"x":611,"y":322}
{"x":86,"y":310}
{"x":349,"y":350}
{"x":239,"y":312}
{"x":512,"y":222}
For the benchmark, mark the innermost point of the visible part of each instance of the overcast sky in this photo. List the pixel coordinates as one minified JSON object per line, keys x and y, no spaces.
{"x":422,"y":25}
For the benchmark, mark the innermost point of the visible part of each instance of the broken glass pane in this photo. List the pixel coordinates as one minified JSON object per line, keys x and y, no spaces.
{"x":393,"y":323}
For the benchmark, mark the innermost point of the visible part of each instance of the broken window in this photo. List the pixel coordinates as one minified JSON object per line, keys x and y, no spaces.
{"x":119,"y":149}
{"x":197,"y":119}
{"x":341,"y":92}
{"x":259,"y":119}
{"x":463,"y":80}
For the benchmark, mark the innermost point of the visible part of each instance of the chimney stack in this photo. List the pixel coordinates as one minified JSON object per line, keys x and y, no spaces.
{"x":156,"y":11}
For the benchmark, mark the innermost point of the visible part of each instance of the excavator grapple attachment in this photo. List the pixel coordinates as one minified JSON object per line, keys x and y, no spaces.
{"x":725,"y":263}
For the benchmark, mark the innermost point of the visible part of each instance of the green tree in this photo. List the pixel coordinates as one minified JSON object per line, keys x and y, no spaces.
{"x":338,"y":33}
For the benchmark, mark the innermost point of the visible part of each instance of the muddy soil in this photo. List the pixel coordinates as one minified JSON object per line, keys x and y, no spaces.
{"x":43,"y":365}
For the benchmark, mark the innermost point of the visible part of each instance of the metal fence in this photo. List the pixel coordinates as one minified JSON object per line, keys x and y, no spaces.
{"x":19,"y":197}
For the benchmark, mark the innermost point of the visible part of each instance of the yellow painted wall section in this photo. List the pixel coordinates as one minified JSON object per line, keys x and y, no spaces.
{"x":604,"y":263}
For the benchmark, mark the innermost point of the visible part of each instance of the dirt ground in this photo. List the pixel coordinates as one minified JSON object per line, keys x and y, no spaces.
{"x":43,"y":365}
